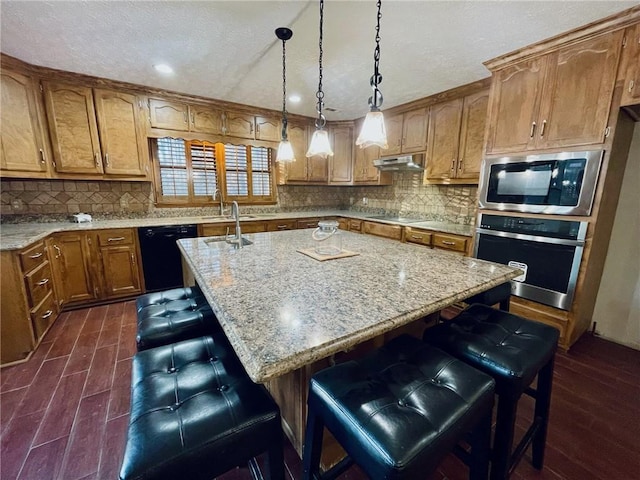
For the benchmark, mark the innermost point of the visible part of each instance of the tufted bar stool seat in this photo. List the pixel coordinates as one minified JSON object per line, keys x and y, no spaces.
{"x":173,"y":315}
{"x":514,"y":351}
{"x":196,"y":414}
{"x":399,"y":411}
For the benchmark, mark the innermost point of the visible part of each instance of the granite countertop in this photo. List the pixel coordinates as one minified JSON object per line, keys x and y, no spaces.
{"x":20,"y":235}
{"x":282,"y":309}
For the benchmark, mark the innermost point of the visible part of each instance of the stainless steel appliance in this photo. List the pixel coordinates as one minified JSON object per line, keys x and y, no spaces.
{"x":400,"y":163}
{"x":548,"y":251}
{"x":161,"y":258}
{"x":561,"y":183}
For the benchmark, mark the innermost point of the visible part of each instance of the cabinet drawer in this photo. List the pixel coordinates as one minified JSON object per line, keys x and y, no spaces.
{"x":39,"y":283}
{"x":116,"y":237}
{"x":33,"y":256}
{"x":383,"y":230}
{"x":215,"y":230}
{"x":417,"y":236}
{"x":450,"y":242}
{"x":44,"y":314}
{"x":355,"y":225}
{"x":282,"y":225}
{"x":308,"y":223}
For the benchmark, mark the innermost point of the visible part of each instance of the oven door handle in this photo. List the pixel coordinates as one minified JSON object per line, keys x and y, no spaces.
{"x":531,"y":238}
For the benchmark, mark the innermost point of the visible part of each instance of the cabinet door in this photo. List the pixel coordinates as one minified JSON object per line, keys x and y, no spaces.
{"x":297,"y":171}
{"x":363,"y":169}
{"x":444,"y":133}
{"x":123,"y":145}
{"x":73,"y":128}
{"x":393,"y":125}
{"x":474,"y":118}
{"x":22,"y":135}
{"x":631,"y":66}
{"x":342,"y":160}
{"x":205,"y":119}
{"x":514,"y":100}
{"x":121,"y":271}
{"x":72,"y":268}
{"x":317,"y":169}
{"x":168,"y":115}
{"x":414,"y":131}
{"x":268,"y":128}
{"x":578,"y":90}
{"x":239,"y":125}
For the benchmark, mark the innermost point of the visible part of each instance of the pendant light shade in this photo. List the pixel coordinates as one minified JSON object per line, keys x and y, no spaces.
{"x":373,"y":130}
{"x":285,"y":151}
{"x":320,"y":145}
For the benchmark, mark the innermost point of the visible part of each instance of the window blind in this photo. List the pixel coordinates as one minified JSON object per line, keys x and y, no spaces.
{"x":204,"y":168}
{"x":173,"y":167}
{"x":236,"y":175}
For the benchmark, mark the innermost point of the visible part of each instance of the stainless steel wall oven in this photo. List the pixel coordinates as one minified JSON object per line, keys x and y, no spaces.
{"x":548,"y":251}
{"x":559,"y":183}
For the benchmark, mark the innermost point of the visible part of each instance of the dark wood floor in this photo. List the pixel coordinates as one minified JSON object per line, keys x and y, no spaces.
{"x":64,"y":413}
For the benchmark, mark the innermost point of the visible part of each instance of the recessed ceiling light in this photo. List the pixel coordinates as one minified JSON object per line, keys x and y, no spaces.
{"x":163,"y":68}
{"x":294,"y":98}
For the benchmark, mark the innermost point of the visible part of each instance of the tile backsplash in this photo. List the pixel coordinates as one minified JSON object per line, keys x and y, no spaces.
{"x":22,"y":200}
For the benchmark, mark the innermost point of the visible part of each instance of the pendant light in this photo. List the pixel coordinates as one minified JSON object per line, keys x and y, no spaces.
{"x":373,"y":130}
{"x":285,"y":151}
{"x":319,"y":145}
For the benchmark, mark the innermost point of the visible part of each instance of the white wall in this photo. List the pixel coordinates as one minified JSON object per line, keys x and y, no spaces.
{"x":617,"y":310}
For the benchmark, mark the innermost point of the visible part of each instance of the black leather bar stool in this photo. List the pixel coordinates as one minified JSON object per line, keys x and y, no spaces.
{"x":173,"y":315}
{"x":398,"y":411}
{"x":513,"y":350}
{"x":196,"y":414}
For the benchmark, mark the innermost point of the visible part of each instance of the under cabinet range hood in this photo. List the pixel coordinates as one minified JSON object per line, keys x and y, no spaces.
{"x":404,"y":163}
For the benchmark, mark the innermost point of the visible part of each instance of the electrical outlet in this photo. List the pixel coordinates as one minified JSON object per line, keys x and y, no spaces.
{"x":365,"y":200}
{"x":17,"y":204}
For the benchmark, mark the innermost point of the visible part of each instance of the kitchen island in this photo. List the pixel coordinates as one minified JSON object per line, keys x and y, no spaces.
{"x":288,"y":315}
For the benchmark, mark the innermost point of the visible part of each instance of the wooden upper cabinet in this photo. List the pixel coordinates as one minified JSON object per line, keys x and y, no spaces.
{"x":456,"y":137}
{"x":239,"y":125}
{"x":444,"y":132}
{"x":21,"y":139}
{"x":341,"y":164}
{"x":168,"y":115}
{"x":472,"y":133}
{"x":317,"y":169}
{"x":268,"y":128}
{"x":630,"y":66}
{"x":514,"y":100}
{"x":407,"y":132}
{"x":123,"y":142}
{"x":205,"y":119}
{"x":414,"y":131}
{"x":297,"y":171}
{"x":73,"y":128}
{"x":561,"y":99}
{"x":577,"y":94}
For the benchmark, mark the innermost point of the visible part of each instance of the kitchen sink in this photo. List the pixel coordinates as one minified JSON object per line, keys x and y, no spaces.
{"x":217,"y":240}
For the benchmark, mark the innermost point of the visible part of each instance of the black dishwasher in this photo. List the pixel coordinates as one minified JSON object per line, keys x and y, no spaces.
{"x":161,"y":259}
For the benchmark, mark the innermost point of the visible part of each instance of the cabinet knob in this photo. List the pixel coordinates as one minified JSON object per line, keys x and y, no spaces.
{"x":453,"y":164}
{"x":544,"y":124}
{"x":106,"y":159}
{"x":97,"y":159}
{"x":115,"y":239}
{"x":35,"y":255}
{"x":460,"y":163}
{"x":43,"y":160}
{"x":47,"y":314}
{"x":42,"y":282}
{"x":533,"y":129}
{"x":632,"y":84}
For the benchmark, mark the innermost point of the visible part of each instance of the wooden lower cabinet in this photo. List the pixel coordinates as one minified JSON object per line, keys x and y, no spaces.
{"x":448,"y":241}
{"x":28,"y":306}
{"x":95,"y":266}
{"x":73,"y":267}
{"x":415,"y":235}
{"x":382,"y":230}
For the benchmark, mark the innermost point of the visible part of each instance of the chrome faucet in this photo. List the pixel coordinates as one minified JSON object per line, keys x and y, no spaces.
{"x":218,"y":192}
{"x":235,"y":214}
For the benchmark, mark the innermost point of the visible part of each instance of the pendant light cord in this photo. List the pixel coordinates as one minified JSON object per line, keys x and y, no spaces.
{"x":284,"y":92}
{"x":375,"y":100}
{"x":321,"y":120}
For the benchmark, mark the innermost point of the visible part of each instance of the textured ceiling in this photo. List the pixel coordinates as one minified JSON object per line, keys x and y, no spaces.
{"x":228,"y":50}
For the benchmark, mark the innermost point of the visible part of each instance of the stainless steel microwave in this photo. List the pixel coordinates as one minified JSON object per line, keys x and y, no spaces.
{"x":560,"y":183}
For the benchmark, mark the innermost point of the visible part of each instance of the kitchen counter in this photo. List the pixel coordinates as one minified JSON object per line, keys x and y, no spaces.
{"x":20,"y":235}
{"x":282,"y":310}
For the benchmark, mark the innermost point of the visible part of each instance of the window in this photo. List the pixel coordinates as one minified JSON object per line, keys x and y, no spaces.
{"x":187,"y":172}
